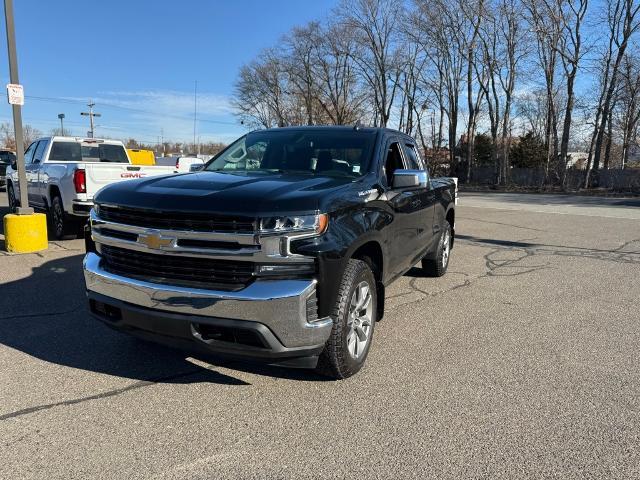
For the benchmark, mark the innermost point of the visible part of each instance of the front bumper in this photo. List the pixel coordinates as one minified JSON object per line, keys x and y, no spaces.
{"x":273,"y":310}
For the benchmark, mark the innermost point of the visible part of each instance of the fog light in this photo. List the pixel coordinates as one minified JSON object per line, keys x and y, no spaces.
{"x":285,"y":269}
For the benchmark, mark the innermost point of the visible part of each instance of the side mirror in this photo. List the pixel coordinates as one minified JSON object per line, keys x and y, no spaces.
{"x":410,"y":179}
{"x":14,"y":166}
{"x":196,"y":167}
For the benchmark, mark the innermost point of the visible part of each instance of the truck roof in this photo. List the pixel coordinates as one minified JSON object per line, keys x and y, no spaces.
{"x":81,"y":139}
{"x":336,"y":128}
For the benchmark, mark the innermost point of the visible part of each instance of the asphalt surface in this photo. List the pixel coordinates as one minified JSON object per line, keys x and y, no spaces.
{"x":522,"y":362}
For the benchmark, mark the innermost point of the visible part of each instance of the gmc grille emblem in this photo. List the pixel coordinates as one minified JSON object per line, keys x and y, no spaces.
{"x":154,"y":240}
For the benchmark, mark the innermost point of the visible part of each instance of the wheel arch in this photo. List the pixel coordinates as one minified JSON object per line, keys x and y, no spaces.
{"x":52,"y":191}
{"x":371,"y":252}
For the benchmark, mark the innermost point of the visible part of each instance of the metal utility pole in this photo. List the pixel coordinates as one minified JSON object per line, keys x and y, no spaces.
{"x":90,"y":114}
{"x":195,"y":112}
{"x":61,"y":117}
{"x":23,"y":209}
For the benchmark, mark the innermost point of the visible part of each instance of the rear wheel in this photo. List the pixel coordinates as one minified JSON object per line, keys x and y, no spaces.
{"x":437,"y":266}
{"x":11,"y":197}
{"x":61,"y":225}
{"x":354,"y":318}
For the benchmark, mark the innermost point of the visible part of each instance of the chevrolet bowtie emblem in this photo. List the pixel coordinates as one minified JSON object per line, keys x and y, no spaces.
{"x":154,"y":240}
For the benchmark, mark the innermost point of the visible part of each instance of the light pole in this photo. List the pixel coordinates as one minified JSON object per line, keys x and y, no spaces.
{"x":61,"y":117}
{"x":90,"y":114}
{"x":24,"y":208}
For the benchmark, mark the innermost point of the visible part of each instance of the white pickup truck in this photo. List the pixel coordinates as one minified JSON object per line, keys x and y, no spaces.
{"x":182,"y":164}
{"x":64,"y":173}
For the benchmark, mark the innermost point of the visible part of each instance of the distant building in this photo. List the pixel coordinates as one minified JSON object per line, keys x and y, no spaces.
{"x":577,"y":160}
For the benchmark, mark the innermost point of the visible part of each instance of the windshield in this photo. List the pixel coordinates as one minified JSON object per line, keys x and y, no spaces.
{"x":78,"y":152}
{"x":343,"y":153}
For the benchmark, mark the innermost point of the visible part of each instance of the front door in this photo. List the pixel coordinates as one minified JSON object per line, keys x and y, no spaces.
{"x":33,"y":176}
{"x":426,"y":233}
{"x":31,"y":173}
{"x":408,"y":206}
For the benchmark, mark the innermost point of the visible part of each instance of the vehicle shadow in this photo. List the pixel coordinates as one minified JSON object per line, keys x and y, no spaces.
{"x":45,"y":316}
{"x":414,"y":272}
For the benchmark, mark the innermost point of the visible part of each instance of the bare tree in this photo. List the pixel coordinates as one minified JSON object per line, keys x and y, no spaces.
{"x":7,"y":137}
{"x":425,"y":66}
{"x":531,"y":109}
{"x":375,"y":27}
{"x":623,"y":22}
{"x":473,"y":13}
{"x":546,"y":24}
{"x":299,"y":62}
{"x":340,"y":94}
{"x":629,"y":103}
{"x":570,"y":48}
{"x":261,"y":92}
{"x":439,"y":24}
{"x":414,"y":93}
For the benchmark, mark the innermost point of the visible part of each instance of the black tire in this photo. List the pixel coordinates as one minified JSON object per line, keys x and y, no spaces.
{"x":61,"y":225}
{"x":437,"y":266}
{"x":11,"y":198}
{"x":340,"y":357}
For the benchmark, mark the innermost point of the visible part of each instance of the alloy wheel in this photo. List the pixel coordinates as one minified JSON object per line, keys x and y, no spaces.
{"x":359,"y":321}
{"x":446,"y":247}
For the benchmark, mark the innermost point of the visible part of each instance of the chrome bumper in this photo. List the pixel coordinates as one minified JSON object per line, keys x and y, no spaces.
{"x":281,"y":305}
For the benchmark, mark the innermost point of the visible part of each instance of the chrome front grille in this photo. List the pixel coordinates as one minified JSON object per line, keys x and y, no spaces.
{"x":190,"y":258}
{"x":193,"y":243}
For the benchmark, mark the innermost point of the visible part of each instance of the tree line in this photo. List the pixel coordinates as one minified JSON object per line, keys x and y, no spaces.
{"x":561,"y":74}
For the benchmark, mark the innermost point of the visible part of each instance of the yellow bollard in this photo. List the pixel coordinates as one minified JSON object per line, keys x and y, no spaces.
{"x":25,"y":233}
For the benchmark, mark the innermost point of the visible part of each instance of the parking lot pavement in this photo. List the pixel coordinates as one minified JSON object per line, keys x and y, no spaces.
{"x":521,"y":362}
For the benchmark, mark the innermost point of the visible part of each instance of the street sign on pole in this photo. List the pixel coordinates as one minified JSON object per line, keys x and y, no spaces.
{"x":23,"y":209}
{"x":15,"y":94}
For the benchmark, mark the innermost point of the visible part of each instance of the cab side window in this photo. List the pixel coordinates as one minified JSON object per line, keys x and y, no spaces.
{"x":393,"y":162}
{"x":28,"y":155}
{"x":39,"y":152}
{"x":413,"y":159}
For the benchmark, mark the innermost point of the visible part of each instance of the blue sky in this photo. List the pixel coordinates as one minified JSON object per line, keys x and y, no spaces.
{"x":143,"y":55}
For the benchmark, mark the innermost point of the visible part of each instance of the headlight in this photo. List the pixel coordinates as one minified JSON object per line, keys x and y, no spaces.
{"x":295,"y":223}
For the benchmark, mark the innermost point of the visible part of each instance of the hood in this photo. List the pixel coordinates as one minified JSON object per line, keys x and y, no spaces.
{"x":225,"y":193}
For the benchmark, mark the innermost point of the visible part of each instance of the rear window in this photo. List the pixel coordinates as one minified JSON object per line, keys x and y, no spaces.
{"x":6,"y":158}
{"x":78,"y":152}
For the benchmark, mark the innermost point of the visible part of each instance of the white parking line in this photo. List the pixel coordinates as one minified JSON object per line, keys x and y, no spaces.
{"x":630,"y":214}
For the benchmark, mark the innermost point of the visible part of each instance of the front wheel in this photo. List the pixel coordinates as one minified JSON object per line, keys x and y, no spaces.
{"x":354,"y":318}
{"x":11,"y":197}
{"x":437,"y":266}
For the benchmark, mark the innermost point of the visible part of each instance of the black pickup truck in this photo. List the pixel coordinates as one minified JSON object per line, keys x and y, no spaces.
{"x":279,"y":249}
